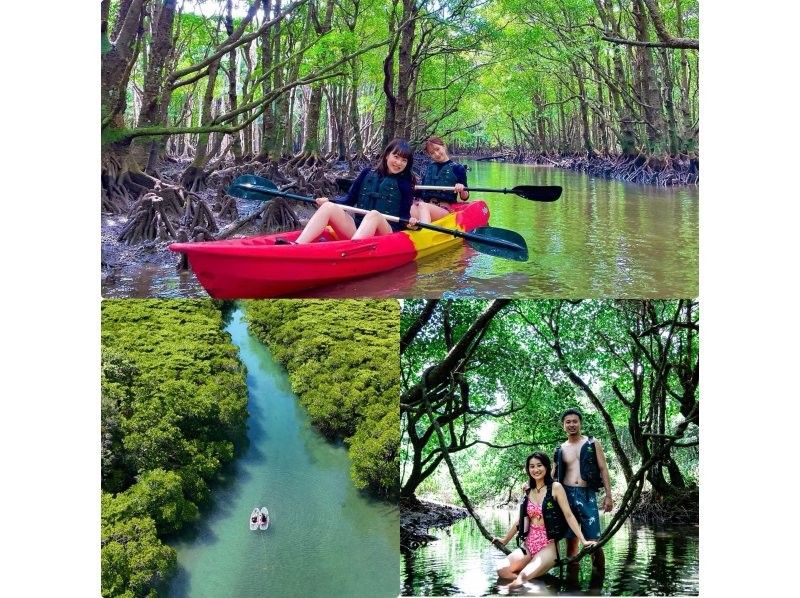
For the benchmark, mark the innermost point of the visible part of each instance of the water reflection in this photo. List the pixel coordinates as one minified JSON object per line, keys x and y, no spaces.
{"x":640,"y":560}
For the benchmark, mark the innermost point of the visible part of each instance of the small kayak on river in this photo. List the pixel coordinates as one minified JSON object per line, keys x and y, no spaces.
{"x":256,"y":268}
{"x":254,"y":516}
{"x":263,"y":521}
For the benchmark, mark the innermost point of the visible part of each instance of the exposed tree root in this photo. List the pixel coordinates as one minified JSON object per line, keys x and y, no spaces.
{"x":148,"y":221}
{"x":156,"y":214}
{"x":121,"y":184}
{"x":194,"y":179}
{"x":306,"y":159}
{"x":225,"y":205}
{"x":279,"y":217}
{"x":660,"y":170}
{"x":198,"y":219}
{"x":682,"y":506}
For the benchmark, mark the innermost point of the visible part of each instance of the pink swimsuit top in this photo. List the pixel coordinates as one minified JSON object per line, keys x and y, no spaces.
{"x":534,"y":509}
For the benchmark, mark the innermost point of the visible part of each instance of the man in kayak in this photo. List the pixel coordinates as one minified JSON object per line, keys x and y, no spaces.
{"x":385,"y":189}
{"x":580,"y":465}
{"x":441,"y":172}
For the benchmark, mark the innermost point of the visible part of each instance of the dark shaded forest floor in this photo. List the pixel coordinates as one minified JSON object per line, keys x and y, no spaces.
{"x":417,"y":517}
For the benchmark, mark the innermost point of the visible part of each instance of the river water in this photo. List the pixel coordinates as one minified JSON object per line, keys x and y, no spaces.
{"x":603,"y":238}
{"x":325,"y":538}
{"x":641,"y":560}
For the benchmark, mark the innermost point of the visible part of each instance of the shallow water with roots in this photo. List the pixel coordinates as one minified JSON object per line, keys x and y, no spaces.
{"x":641,"y":560}
{"x":603,"y":238}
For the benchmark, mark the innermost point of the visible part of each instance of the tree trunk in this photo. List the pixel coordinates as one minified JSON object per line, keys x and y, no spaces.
{"x":669,"y":105}
{"x":269,"y":44}
{"x":193,"y":178}
{"x":156,"y":95}
{"x":236,"y":143}
{"x":584,"y":109}
{"x":117,"y":59}
{"x":355,"y":121}
{"x":402,"y":127}
{"x":650,"y":98}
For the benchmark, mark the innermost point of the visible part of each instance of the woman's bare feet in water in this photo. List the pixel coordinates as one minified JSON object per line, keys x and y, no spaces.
{"x":517,"y":583}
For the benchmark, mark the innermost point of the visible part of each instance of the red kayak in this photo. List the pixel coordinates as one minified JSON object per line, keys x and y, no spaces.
{"x":256,"y":268}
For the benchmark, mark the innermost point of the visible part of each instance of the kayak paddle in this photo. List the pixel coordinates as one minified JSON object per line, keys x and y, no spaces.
{"x":532,"y":192}
{"x":544,"y":193}
{"x":491,"y":240}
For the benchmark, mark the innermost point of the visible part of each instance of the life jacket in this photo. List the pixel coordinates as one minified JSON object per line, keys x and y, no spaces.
{"x":380,"y":193}
{"x":442,"y":177}
{"x":555,"y":524}
{"x":590,"y":470}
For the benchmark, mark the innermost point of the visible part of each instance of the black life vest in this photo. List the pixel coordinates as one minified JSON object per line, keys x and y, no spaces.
{"x":380,"y":193}
{"x":590,"y":470}
{"x":555,"y":524}
{"x":441,"y":177}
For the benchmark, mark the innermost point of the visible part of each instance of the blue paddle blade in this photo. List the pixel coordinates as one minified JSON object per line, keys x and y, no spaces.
{"x":250,"y":180}
{"x":499,"y":242}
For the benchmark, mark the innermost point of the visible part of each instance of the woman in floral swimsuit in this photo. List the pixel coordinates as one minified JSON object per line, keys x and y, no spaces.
{"x":538,"y":554}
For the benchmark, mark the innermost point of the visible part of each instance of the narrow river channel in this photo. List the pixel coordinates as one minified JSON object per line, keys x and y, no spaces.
{"x":641,"y":560}
{"x":602,"y":238}
{"x":325,"y":538}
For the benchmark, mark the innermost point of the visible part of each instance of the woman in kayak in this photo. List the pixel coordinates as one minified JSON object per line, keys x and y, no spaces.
{"x":442,"y":172}
{"x":544,"y":520}
{"x":386,"y":189}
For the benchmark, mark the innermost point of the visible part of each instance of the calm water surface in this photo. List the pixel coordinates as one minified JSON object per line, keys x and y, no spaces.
{"x":325,"y":538}
{"x":640,"y":561}
{"x":601,"y":239}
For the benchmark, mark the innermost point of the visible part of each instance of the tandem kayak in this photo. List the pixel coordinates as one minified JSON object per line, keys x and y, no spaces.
{"x":257,"y":268}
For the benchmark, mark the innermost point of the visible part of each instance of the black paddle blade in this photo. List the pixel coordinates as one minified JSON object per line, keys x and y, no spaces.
{"x":538,"y":192}
{"x":501,"y":242}
{"x":239,"y":187}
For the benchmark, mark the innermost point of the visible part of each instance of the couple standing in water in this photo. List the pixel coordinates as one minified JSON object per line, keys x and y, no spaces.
{"x":388,"y":189}
{"x":558,"y":503}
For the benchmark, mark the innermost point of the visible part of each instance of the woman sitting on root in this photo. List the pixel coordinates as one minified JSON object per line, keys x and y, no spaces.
{"x":442,"y":172}
{"x":544,"y":517}
{"x":385,"y":189}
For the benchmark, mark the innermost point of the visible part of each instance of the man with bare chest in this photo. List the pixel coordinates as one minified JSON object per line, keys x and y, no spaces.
{"x":580,"y":465}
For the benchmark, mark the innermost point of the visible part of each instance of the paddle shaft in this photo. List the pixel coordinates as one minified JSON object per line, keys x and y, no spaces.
{"x":433,"y":227}
{"x":478,"y":189}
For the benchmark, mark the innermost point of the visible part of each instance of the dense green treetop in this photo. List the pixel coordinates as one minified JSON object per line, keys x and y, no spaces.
{"x":173,"y":404}
{"x":343,"y":362}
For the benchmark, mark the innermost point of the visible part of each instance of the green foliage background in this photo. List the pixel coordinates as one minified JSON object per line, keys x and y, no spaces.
{"x":173,"y":404}
{"x":343,"y":362}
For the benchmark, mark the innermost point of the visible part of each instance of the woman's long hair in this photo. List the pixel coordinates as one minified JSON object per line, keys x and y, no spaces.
{"x":548,"y":477}
{"x":402,"y":148}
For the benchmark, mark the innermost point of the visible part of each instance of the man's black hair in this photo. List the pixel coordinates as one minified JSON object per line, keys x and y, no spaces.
{"x":571,"y":412}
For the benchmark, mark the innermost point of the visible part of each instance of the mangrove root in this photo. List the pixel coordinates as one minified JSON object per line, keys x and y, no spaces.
{"x":279,"y":216}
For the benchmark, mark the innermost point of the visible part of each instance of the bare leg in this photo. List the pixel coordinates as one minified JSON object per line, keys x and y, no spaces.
{"x":328,"y":214}
{"x":572,"y":547}
{"x":426,"y":212}
{"x":512,"y":564}
{"x":540,"y":564}
{"x":599,"y":561}
{"x":373,"y":225}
